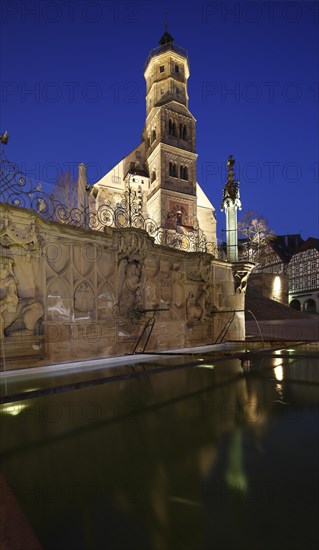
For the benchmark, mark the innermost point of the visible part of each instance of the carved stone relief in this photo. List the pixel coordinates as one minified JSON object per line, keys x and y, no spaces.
{"x":129,"y":297}
{"x":25,"y":236}
{"x":59,"y":300}
{"x":133,"y":246}
{"x":178,"y":286}
{"x":196,"y":307}
{"x":105,"y":302}
{"x":240,"y":281}
{"x":15,"y":314}
{"x":84,"y":301}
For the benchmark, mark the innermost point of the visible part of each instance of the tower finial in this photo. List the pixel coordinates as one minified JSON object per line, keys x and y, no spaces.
{"x":230,"y":169}
{"x":166,"y":22}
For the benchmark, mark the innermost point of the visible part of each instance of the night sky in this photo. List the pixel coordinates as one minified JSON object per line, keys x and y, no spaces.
{"x":253,"y":90}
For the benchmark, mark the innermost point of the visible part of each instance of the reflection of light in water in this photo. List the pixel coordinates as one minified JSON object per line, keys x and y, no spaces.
{"x":186,"y":501}
{"x":13,"y":409}
{"x":278,"y":368}
{"x":279,"y":372}
{"x":235,"y":475}
{"x":206,"y":366}
{"x":279,"y":390}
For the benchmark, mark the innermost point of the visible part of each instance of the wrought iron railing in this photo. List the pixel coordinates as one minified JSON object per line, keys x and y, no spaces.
{"x":165,"y":47}
{"x":19,"y":190}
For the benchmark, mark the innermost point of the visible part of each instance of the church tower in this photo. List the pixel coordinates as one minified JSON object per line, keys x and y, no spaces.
{"x":170,"y":137}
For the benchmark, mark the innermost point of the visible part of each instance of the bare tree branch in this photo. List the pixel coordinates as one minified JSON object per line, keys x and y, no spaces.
{"x":255,"y":235}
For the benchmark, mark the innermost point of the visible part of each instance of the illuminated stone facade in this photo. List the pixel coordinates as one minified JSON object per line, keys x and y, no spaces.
{"x":74,"y":285}
{"x":162,"y":169}
{"x":69,"y":293}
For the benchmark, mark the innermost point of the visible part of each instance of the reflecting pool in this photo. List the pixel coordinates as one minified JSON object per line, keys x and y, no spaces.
{"x":184,"y":453}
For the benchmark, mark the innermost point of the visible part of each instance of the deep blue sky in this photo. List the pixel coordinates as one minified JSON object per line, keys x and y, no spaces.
{"x":85,"y":61}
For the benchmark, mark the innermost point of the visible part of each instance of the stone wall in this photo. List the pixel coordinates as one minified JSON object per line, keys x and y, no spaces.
{"x":271,"y":285}
{"x":69,"y":293}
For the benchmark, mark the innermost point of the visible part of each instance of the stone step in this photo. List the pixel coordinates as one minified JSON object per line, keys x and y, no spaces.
{"x":18,"y":346}
{"x":266,"y":309}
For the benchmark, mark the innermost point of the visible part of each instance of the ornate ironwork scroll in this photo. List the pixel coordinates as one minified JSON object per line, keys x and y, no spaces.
{"x":19,"y":190}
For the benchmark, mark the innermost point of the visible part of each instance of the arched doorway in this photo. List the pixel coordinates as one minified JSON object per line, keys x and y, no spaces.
{"x":310,"y":306}
{"x":295,"y":304}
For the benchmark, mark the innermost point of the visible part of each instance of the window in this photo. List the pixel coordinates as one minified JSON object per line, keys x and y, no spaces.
{"x":162,"y":68}
{"x":162,"y":91}
{"x":183,"y":131}
{"x":153,"y":178}
{"x":176,"y":69}
{"x":172,"y":128}
{"x":183,"y":172}
{"x":153,"y":135}
{"x":177,"y":91}
{"x":173,"y":169}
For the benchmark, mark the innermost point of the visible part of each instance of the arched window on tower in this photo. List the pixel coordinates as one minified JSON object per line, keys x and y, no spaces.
{"x":172,"y":128}
{"x":173,"y":169}
{"x":153,"y":177}
{"x":183,"y":131}
{"x":153,"y":135}
{"x":183,"y":172}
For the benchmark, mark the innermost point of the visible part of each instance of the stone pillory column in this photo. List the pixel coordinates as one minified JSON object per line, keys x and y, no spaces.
{"x":230,"y":203}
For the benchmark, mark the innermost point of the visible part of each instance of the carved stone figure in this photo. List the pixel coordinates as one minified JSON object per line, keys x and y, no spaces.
{"x":133,"y":246}
{"x":240,"y":280}
{"x":15,"y":314}
{"x":200,"y":270}
{"x":196,"y":308}
{"x":178,"y":286}
{"x":130,"y":280}
{"x":8,"y":293}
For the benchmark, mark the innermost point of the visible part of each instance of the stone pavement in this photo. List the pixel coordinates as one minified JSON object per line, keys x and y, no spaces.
{"x":285,"y":329}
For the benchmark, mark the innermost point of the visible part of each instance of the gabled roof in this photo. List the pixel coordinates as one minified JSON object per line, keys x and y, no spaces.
{"x":286,"y":245}
{"x":309,"y":243}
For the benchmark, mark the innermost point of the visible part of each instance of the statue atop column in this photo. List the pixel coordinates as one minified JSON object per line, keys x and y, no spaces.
{"x":230,"y":203}
{"x":231,"y":189}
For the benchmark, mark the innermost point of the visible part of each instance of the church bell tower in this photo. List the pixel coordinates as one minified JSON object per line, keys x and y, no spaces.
{"x":170,"y":137}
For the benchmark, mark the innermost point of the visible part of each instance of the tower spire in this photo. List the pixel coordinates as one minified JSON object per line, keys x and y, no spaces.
{"x":166,"y":38}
